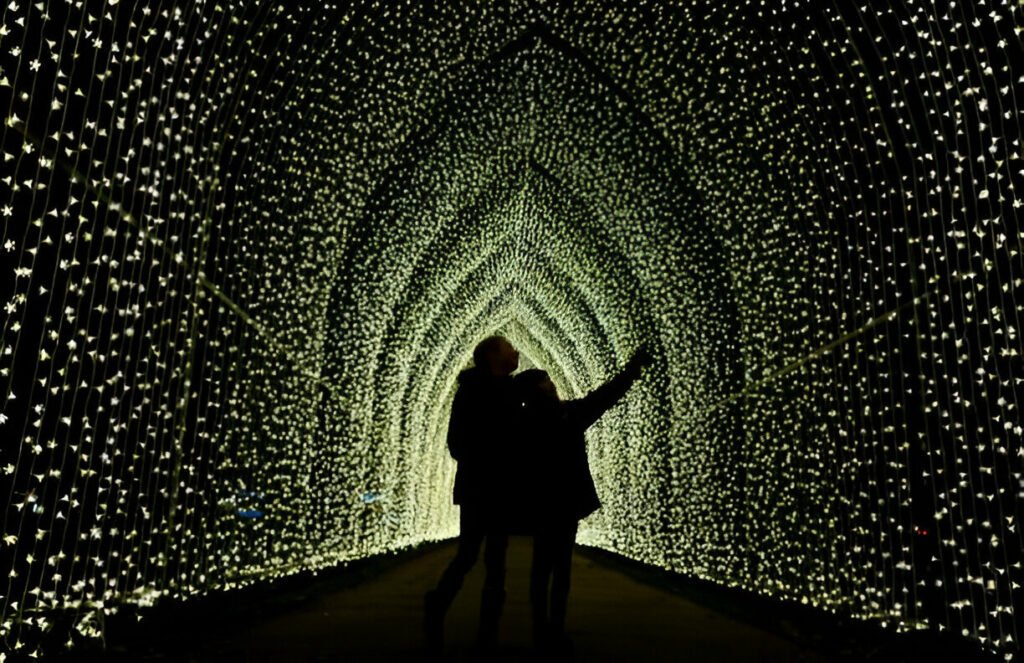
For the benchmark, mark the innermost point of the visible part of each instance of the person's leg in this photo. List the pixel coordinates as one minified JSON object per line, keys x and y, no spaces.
{"x":495,"y":552}
{"x":564,"y":538}
{"x":471,"y":536}
{"x":438,"y":600}
{"x":492,"y":600}
{"x":540,"y":580}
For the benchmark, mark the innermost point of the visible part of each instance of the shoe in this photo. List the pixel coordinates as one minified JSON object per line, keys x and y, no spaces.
{"x":553,"y":648}
{"x":541,"y":640}
{"x":491,"y":604}
{"x":433,"y":624}
{"x":559,"y":647}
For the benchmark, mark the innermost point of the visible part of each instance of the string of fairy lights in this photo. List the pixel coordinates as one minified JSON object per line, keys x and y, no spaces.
{"x":247,"y":247}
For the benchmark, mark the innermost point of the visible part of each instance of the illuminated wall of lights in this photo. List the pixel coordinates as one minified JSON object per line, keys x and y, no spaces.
{"x":246,"y":249}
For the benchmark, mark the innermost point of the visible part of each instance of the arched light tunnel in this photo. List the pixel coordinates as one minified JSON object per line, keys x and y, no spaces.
{"x":247,"y":247}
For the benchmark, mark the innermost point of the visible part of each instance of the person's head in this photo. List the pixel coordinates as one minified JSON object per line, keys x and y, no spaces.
{"x":534,"y":387}
{"x":496,"y":355}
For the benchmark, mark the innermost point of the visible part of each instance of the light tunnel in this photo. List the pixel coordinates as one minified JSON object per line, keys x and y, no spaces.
{"x":247,"y":248}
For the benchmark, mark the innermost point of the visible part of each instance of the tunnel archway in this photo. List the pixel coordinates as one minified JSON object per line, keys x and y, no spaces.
{"x":526,"y":144}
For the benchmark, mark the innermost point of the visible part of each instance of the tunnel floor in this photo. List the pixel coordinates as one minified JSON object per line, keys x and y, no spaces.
{"x":612,"y":617}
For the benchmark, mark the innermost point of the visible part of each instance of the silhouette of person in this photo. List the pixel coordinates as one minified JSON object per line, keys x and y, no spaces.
{"x":562,"y":489}
{"x":478,"y":431}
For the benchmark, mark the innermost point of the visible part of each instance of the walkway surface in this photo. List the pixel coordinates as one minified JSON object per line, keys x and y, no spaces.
{"x":612,"y":617}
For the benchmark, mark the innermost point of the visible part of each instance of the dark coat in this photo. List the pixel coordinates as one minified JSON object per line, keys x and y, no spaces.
{"x":557,"y":484}
{"x":478,"y":435}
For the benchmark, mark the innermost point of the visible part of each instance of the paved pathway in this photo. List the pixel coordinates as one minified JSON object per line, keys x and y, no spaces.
{"x":611,"y":618}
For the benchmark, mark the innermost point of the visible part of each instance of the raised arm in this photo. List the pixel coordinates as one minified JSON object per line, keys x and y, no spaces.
{"x":585,"y":411}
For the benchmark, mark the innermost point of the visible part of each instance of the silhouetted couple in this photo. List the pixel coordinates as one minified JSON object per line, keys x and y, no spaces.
{"x":522,"y":469}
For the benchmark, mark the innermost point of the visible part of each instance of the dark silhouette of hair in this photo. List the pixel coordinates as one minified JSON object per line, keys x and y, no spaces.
{"x":487,"y":347}
{"x":527,"y":382}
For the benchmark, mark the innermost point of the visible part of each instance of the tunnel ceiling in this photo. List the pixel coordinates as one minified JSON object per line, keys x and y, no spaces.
{"x":247,"y":248}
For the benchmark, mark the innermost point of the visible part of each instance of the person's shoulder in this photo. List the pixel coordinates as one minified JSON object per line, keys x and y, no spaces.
{"x":470,"y":376}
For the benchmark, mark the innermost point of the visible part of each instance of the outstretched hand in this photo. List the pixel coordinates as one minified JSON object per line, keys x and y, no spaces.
{"x":639,"y":359}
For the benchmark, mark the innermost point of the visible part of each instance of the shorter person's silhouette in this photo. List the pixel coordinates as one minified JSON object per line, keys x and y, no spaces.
{"x":558,"y":489}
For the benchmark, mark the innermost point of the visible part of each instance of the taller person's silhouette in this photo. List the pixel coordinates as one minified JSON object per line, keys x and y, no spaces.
{"x":557,"y":488}
{"x":483,"y":410}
